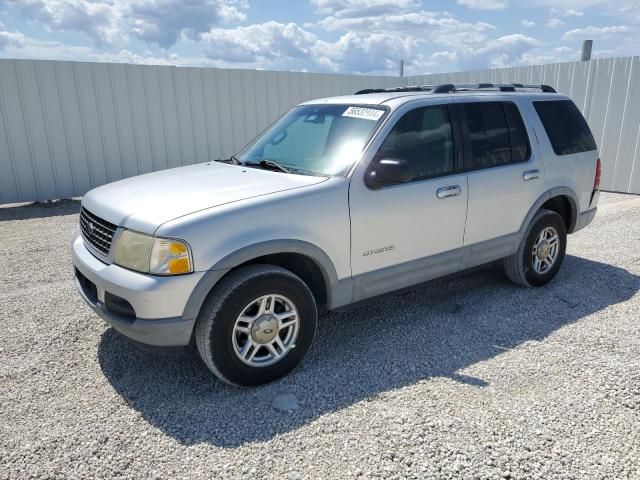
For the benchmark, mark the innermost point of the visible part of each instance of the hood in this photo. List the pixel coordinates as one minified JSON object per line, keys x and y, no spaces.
{"x":145,"y":202}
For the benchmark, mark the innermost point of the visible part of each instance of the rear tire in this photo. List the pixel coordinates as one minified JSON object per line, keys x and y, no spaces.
{"x":541,"y":251}
{"x":256,"y":325}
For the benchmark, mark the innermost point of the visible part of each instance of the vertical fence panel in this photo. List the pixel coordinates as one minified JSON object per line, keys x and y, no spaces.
{"x":621,"y":71}
{"x":626,"y":152}
{"x":66,"y":127}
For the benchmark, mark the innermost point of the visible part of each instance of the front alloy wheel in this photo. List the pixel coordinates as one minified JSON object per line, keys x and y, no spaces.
{"x":265,"y":331}
{"x":256,"y":325}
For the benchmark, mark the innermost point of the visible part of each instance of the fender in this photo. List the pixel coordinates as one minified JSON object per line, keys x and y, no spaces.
{"x":339,"y":292}
{"x":553,"y":192}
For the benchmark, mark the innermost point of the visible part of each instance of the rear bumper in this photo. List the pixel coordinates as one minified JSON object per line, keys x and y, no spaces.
{"x":585,"y":219}
{"x":155,"y":305}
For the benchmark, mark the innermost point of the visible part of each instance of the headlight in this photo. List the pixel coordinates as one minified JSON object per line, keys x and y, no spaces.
{"x":169,"y":257}
{"x":147,"y":254}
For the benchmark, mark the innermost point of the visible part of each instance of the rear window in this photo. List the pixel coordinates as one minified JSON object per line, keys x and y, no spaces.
{"x":566,"y":128}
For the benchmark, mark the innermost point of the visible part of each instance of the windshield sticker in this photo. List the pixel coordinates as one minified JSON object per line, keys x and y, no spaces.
{"x":364,"y":113}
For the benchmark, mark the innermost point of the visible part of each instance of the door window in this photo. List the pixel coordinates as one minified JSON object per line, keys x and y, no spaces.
{"x":424,"y":138}
{"x":487,"y":135}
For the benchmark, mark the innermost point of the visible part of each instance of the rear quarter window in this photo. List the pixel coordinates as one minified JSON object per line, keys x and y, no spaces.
{"x":566,"y":128}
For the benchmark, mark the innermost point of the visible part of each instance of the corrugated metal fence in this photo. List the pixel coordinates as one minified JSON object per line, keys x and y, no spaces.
{"x":66,"y":127}
{"x":606,"y":90}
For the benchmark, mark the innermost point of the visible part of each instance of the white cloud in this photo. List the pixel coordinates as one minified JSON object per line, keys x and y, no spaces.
{"x":596,"y":32}
{"x":113,"y":21}
{"x":630,"y":9}
{"x":266,"y":44}
{"x":505,"y":51}
{"x":528,"y":23}
{"x":277,"y":46}
{"x":8,"y":39}
{"x":424,"y":26}
{"x":97,"y":19}
{"x":554,"y":23}
{"x":573,"y":13}
{"x":485,"y":4}
{"x":359,"y":8}
{"x":365,"y":53}
{"x":163,"y":21}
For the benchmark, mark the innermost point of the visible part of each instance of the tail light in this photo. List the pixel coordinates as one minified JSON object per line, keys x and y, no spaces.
{"x":596,"y":180}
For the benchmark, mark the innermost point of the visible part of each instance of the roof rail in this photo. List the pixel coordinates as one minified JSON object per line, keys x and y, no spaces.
{"x":503,"y":87}
{"x":409,"y":88}
{"x":460,"y":87}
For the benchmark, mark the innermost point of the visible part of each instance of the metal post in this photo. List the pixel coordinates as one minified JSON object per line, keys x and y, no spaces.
{"x":401,"y":68}
{"x":587,"y":46}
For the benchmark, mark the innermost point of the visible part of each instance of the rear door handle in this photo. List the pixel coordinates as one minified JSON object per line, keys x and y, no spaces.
{"x":531,"y":175}
{"x":450,"y":191}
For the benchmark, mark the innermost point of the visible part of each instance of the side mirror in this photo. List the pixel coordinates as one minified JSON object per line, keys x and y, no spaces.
{"x":387,"y":171}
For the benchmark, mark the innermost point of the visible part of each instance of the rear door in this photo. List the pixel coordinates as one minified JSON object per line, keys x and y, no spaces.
{"x":505,"y":170}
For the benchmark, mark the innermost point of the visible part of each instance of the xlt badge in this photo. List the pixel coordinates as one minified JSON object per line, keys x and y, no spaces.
{"x":375,"y":251}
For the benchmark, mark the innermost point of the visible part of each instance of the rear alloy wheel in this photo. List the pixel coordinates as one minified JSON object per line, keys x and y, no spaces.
{"x":541,"y":251}
{"x":256,"y":325}
{"x":545,"y":250}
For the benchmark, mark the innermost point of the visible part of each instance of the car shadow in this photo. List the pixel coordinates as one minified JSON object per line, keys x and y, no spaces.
{"x":39,"y":210}
{"x":437,"y":330}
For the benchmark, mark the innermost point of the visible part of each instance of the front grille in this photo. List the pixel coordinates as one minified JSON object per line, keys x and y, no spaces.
{"x":96,"y":231}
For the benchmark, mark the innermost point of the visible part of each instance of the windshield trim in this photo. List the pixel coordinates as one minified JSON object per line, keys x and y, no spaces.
{"x":381,"y":121}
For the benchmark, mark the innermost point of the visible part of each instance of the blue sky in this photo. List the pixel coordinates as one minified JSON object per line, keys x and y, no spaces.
{"x":335,"y":36}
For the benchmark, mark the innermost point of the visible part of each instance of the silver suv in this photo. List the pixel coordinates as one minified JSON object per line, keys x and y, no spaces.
{"x":340,"y":200}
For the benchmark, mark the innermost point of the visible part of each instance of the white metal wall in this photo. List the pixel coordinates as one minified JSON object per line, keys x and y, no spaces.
{"x":608,"y":93}
{"x":66,"y":127}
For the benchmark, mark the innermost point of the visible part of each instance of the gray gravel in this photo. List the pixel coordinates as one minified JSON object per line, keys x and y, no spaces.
{"x":466,"y":378}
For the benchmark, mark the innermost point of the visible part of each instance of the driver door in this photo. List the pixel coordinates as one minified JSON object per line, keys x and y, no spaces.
{"x":408,"y":233}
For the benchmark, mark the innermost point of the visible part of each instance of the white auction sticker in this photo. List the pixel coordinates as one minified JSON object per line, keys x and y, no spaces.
{"x":364,"y":113}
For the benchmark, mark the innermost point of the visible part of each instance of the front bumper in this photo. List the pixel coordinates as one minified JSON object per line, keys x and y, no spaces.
{"x":154,"y":305}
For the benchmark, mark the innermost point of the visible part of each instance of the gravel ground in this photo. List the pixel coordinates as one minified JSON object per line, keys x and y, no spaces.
{"x":465,"y":378}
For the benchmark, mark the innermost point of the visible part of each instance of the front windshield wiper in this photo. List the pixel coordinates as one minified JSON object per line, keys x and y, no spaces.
{"x":273,"y":165}
{"x":231,"y":159}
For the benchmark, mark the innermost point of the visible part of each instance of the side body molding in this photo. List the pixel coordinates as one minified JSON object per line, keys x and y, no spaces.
{"x":339,"y":292}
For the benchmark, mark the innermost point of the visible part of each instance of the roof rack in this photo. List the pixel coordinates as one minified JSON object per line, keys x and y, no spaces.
{"x":461,"y":87}
{"x":410,"y":88}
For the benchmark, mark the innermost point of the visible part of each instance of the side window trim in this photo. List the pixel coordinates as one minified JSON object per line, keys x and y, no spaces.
{"x":458,"y":142}
{"x":511,"y":126}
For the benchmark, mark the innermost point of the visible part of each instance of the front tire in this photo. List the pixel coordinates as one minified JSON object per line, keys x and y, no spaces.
{"x":256,"y":326}
{"x":541,"y":251}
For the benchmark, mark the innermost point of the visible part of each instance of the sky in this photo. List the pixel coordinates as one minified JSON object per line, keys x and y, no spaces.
{"x":333,"y":36}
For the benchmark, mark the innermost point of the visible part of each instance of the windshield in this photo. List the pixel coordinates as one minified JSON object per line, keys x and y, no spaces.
{"x":316,"y":139}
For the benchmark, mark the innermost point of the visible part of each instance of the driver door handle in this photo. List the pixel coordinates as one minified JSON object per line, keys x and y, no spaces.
{"x":450,"y":191}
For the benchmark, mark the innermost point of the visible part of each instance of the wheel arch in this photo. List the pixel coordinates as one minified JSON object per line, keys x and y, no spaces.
{"x":562,"y":200}
{"x":302,"y":258}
